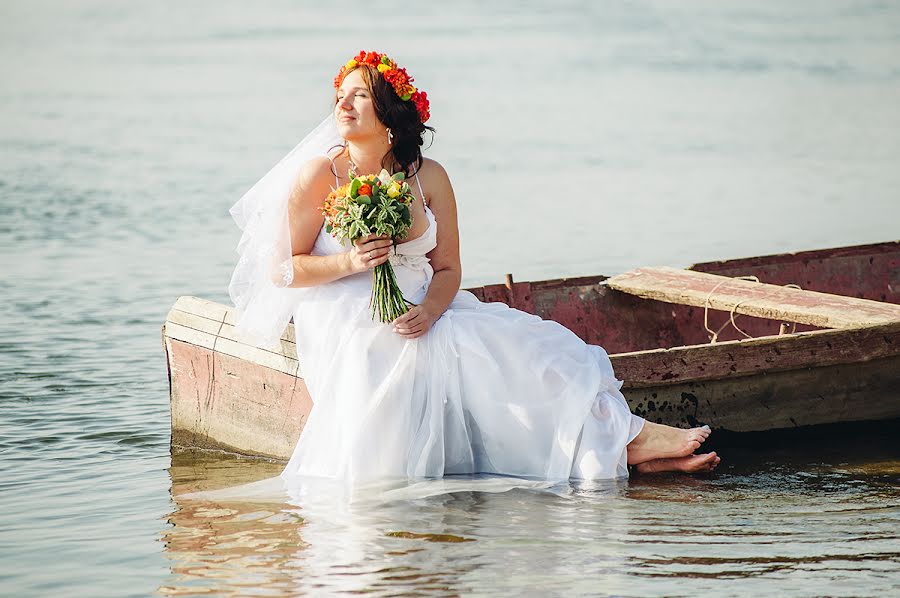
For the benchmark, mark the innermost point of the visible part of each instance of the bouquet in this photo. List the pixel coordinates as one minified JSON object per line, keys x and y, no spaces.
{"x":379,"y":205}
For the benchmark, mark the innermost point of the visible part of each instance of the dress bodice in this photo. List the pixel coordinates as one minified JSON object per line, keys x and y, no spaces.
{"x":409,"y":254}
{"x":412,"y":267}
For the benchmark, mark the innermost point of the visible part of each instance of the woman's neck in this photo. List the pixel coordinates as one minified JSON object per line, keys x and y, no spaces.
{"x":367,"y":156}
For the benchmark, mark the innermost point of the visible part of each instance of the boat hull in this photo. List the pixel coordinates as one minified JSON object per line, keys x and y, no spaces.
{"x":854,"y":392}
{"x":230,"y":396}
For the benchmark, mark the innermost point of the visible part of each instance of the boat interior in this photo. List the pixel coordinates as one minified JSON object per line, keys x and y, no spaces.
{"x":719,"y":309}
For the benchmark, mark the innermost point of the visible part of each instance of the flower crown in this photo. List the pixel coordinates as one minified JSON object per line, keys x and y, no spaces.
{"x":397,"y":77}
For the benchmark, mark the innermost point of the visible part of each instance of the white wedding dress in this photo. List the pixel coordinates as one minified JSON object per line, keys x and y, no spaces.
{"x":487,"y":390}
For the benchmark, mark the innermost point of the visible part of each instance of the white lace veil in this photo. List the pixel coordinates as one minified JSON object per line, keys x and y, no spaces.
{"x":260,"y":283}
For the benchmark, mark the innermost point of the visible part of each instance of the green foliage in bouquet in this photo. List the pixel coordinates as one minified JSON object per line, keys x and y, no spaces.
{"x":373,"y":205}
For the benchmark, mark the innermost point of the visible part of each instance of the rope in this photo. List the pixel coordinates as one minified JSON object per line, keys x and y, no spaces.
{"x":714,"y":334}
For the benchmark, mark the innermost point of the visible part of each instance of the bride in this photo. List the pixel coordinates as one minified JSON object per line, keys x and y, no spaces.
{"x":454,"y":386}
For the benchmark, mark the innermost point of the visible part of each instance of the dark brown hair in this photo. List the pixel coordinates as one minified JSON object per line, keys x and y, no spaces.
{"x":401,"y":118}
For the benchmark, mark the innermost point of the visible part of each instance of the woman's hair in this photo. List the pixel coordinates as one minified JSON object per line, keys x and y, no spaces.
{"x":401,"y":118}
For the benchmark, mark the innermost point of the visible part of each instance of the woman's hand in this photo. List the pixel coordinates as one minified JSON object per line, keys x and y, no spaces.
{"x":368,"y":252}
{"x":416,"y":322}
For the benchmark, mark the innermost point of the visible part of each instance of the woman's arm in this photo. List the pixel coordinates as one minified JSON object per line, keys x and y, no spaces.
{"x":305,"y":219}
{"x":444,"y":257}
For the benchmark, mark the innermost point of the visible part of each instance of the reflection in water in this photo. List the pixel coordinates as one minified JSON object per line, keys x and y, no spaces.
{"x":227,"y":548}
{"x":796,"y":518}
{"x":232,"y":546}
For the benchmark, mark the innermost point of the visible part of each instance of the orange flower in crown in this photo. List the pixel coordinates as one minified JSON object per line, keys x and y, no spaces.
{"x":397,"y":77}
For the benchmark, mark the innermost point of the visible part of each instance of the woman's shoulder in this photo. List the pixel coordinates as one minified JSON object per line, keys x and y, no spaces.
{"x":314,"y":180}
{"x":317,"y":168}
{"x":316,"y":172}
{"x":433,"y":175}
{"x":435,"y":184}
{"x":432,"y":168}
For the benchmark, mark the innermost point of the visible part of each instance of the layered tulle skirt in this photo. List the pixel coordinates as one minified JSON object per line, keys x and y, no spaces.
{"x":487,"y":390}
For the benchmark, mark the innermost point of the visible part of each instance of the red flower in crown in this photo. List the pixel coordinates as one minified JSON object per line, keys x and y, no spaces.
{"x":420,"y":99}
{"x":397,"y":77}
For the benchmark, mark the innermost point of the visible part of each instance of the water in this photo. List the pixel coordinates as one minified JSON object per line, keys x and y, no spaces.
{"x":676,"y":133}
{"x":785,"y":519}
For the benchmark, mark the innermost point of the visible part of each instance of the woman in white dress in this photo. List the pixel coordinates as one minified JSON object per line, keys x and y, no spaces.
{"x":456,"y":385}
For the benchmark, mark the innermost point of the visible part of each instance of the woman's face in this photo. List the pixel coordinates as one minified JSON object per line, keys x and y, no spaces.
{"x":354,"y":111}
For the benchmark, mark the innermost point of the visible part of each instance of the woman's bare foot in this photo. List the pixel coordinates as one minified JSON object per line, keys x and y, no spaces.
{"x":689,"y":464}
{"x":657,"y":441}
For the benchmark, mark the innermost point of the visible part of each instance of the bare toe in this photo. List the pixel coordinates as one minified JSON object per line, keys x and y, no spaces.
{"x":657,"y":441}
{"x":700,"y":434}
{"x":713,"y":462}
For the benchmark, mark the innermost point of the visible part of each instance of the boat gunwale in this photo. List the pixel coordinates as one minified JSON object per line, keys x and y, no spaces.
{"x":773,"y":259}
{"x":652,"y":361}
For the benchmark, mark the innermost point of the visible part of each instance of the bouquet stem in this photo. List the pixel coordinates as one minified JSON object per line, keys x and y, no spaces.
{"x":387,"y":301}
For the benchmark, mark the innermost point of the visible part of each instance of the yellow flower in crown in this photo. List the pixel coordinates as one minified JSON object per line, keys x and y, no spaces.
{"x":397,"y":77}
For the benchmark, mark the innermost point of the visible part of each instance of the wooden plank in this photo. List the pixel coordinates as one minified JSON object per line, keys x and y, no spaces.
{"x":231,"y":319}
{"x":787,"y":399}
{"x":748,"y":357}
{"x":201,"y":307}
{"x":218,"y":312}
{"x":189,"y":335}
{"x":287,"y":348}
{"x":284,"y":360}
{"x":258,"y":356}
{"x":189,"y":320}
{"x":761,"y":300}
{"x":289,"y":334}
{"x":203,"y":332}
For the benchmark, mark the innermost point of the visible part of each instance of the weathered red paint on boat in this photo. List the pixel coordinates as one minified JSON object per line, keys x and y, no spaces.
{"x":697,"y":374}
{"x":623,"y":323}
{"x":864,"y":271}
{"x":216,"y":397}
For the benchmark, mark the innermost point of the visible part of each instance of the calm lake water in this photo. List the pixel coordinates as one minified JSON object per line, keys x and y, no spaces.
{"x":676,"y":133}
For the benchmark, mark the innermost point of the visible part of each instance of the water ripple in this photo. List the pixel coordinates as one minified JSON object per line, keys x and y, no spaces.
{"x":126,"y":137}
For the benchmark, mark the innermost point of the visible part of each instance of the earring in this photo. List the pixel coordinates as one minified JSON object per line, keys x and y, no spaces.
{"x":390,"y":136}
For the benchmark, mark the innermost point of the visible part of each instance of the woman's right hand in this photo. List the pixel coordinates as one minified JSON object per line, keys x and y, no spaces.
{"x":369,"y":251}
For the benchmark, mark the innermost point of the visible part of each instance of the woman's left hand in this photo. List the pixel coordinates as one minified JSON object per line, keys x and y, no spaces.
{"x":416,"y":322}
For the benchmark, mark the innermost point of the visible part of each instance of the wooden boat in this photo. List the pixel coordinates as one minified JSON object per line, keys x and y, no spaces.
{"x":826,"y":352}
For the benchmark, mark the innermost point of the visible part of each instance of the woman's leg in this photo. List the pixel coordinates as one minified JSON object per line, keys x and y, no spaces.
{"x":656,"y":441}
{"x":689,"y":464}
